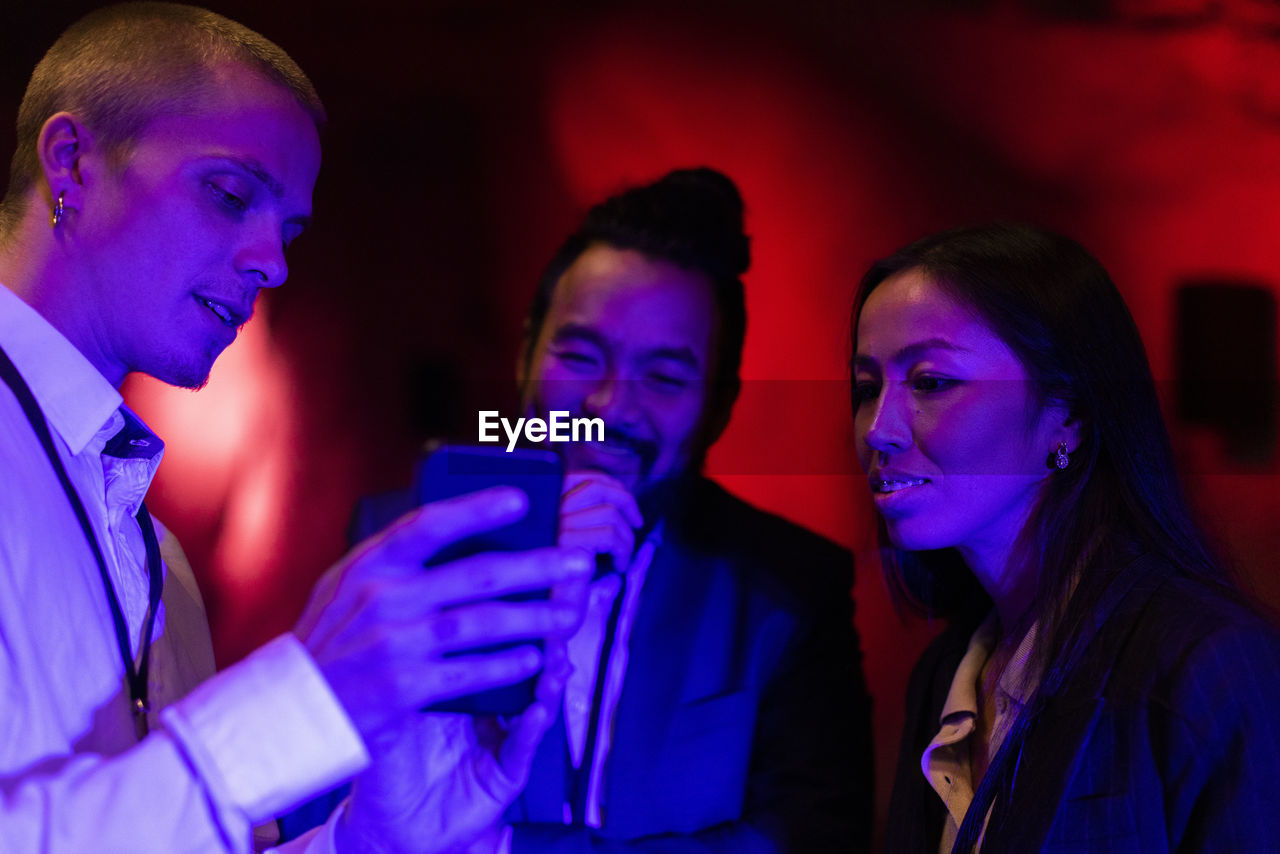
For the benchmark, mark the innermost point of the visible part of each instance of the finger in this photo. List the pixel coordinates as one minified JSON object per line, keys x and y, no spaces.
{"x":599,"y":516}
{"x":401,"y":550}
{"x":572,"y":592}
{"x":447,"y":679}
{"x":493,"y":574}
{"x":473,"y":626}
{"x":586,"y":489}
{"x":574,"y":481}
{"x":596,"y":514}
{"x":381,"y":678}
{"x":521,"y":740}
{"x":407,"y":614}
{"x":515,"y":758}
{"x":417,"y":535}
{"x":610,"y":537}
{"x":555,"y":674}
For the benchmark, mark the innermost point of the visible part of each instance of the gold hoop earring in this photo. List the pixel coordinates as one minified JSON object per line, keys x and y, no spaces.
{"x":59,"y":211}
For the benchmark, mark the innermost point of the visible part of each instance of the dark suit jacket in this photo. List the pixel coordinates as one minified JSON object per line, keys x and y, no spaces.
{"x":743,"y":723}
{"x":1166,"y":738}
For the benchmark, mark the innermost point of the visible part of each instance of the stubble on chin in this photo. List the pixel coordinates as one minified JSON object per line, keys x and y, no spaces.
{"x":189,"y":373}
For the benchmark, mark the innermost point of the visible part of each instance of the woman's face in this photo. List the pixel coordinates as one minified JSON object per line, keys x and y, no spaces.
{"x":947,"y":425}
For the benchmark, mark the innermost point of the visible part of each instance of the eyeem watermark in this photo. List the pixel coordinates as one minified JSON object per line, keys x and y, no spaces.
{"x":559,"y":427}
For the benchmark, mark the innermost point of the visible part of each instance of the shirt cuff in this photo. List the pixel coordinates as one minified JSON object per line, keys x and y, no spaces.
{"x":267,"y":732}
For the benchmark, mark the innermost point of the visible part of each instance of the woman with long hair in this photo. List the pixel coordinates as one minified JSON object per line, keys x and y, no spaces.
{"x":1101,"y":683}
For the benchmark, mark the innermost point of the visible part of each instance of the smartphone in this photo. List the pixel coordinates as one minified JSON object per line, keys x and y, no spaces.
{"x":453,"y":470}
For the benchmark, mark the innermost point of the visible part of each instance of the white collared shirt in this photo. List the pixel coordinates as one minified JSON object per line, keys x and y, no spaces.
{"x":584,"y":654}
{"x":244,"y":745}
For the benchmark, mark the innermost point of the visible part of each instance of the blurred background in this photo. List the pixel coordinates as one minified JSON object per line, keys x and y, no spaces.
{"x":467,"y":136}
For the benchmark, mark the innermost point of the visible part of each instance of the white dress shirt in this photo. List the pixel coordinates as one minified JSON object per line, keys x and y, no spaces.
{"x":242,"y":746}
{"x":584,"y":654}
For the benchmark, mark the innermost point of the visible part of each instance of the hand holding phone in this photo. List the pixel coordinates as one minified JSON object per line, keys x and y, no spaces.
{"x":454,"y":470}
{"x":386,"y":633}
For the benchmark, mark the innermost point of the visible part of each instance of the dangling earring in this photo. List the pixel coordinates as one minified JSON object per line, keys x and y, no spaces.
{"x":1060,"y":456}
{"x":59,"y":211}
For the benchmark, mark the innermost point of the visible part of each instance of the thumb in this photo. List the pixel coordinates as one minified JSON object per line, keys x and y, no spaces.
{"x":516,"y":755}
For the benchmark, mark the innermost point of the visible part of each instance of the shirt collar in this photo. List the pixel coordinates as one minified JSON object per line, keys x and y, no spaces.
{"x":962,"y":698}
{"x":641,"y":557}
{"x":75,"y":398}
{"x":1015,"y":681}
{"x":133,"y":440}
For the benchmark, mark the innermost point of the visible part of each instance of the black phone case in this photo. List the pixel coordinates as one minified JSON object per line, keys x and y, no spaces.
{"x":454,"y":470}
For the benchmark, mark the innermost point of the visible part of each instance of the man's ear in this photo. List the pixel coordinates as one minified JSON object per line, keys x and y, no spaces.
{"x":62,"y":148}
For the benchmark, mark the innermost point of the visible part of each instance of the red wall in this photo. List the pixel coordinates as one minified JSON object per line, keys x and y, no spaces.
{"x":466,"y":139}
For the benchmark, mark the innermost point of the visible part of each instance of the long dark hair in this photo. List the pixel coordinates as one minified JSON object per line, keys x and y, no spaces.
{"x":1056,"y":308}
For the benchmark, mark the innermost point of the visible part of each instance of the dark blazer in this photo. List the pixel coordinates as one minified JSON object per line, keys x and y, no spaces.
{"x":1166,"y":738}
{"x":743,"y":723}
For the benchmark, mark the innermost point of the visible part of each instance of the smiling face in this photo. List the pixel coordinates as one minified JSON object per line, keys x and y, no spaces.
{"x":627,"y":339}
{"x":948,"y":426}
{"x":175,"y":243}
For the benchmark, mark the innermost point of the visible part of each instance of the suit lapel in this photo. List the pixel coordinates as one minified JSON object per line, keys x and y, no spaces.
{"x":682,"y":647}
{"x":1060,"y":740}
{"x":1044,"y":771}
{"x":660,"y":666}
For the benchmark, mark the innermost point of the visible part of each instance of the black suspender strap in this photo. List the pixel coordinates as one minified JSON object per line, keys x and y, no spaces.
{"x":136,"y":677}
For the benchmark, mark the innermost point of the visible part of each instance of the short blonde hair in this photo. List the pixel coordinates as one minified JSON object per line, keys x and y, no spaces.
{"x":119,"y":67}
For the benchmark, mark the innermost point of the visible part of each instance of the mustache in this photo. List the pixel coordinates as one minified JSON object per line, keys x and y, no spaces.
{"x":622,"y":438}
{"x":645,"y":450}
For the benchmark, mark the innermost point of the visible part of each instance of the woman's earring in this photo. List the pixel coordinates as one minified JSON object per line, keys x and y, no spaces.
{"x":59,"y":211}
{"x":1061,"y":458}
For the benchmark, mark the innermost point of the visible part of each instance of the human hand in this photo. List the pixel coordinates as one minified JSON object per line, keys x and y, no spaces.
{"x":598,"y":514}
{"x":441,"y":783}
{"x":380,"y":626}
